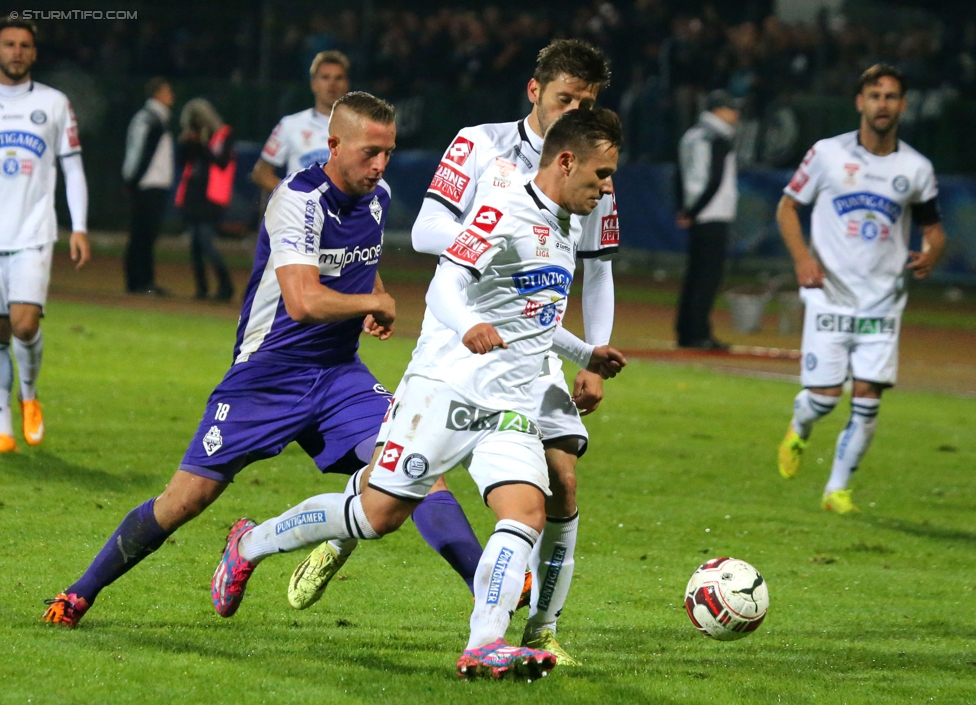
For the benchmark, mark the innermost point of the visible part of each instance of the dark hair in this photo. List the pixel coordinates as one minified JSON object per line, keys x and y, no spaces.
{"x":9,"y":22}
{"x":875,"y":73}
{"x":368,"y":106}
{"x":154,"y":85}
{"x":579,"y":131}
{"x":576,"y":59}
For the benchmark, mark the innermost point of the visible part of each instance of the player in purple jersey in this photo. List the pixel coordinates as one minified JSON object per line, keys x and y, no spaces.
{"x":296,"y":374}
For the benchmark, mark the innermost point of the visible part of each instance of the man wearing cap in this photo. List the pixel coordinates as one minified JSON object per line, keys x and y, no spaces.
{"x":708,"y":197}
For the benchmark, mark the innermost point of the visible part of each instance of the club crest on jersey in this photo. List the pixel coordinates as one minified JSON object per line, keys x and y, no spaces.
{"x":459,"y":150}
{"x":551,"y":277}
{"x":25,"y":140}
{"x":487,"y":218}
{"x":867,"y":201}
{"x":213,"y":441}
{"x":38,"y":117}
{"x":900,"y":183}
{"x":11,"y":165}
{"x":415,"y":466}
{"x":375,"y":209}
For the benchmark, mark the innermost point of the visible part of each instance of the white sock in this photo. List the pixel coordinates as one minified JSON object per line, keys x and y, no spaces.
{"x":317,"y":519}
{"x":498,"y":580}
{"x":6,"y":384}
{"x":552,"y":573}
{"x":28,"y":355}
{"x":808,"y":408}
{"x":853,"y":442}
{"x":344,"y":547}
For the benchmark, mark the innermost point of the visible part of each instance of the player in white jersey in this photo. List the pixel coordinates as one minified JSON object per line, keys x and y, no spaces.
{"x":38,"y":125}
{"x":467,"y":398}
{"x":866,"y":187}
{"x":302,"y":139}
{"x":497,"y":157}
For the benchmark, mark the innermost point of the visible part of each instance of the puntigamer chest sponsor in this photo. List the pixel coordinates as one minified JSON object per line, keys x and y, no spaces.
{"x":332,"y":261}
{"x":25,"y":140}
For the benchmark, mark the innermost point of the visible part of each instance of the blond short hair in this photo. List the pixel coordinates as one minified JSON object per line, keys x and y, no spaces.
{"x":328,"y":57}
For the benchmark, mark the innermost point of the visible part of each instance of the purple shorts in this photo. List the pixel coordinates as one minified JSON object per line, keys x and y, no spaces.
{"x":333,"y":413}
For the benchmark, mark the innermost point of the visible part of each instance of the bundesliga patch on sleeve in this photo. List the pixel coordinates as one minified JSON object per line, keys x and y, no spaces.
{"x":468,"y":247}
{"x":487,"y":218}
{"x":449,"y":183}
{"x":459,"y":151}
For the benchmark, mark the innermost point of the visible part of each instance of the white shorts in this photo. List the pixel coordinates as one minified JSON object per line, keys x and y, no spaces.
{"x":838,"y":345}
{"x":430,"y":429}
{"x":24,"y":277}
{"x":558,"y":416}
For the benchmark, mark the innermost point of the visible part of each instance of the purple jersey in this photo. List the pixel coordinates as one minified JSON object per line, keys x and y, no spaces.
{"x":310,"y":221}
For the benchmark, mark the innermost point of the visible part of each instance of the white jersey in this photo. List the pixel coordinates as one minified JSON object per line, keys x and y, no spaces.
{"x":498,"y":157}
{"x":298,"y":141}
{"x":522,"y":247}
{"x":861,"y":220}
{"x":35,"y":127}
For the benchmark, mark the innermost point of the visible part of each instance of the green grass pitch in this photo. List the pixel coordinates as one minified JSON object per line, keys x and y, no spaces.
{"x":870,"y":609}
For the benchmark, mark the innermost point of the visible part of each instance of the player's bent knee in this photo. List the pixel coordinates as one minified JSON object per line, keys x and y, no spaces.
{"x":384,"y":513}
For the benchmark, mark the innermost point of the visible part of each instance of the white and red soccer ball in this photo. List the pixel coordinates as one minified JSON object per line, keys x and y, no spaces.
{"x":726,"y":599}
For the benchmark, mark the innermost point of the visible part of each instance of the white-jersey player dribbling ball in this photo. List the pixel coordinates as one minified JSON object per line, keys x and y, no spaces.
{"x":726,"y":599}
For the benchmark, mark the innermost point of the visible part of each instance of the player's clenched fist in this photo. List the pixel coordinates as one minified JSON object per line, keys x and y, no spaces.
{"x":385,"y":311}
{"x":482,"y":338}
{"x":606,"y":361}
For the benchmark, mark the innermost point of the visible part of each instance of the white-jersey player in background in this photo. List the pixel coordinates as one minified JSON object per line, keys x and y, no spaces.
{"x":467,"y":394}
{"x":38,"y":125}
{"x":302,"y":139}
{"x":866,"y":187}
{"x":497,"y":158}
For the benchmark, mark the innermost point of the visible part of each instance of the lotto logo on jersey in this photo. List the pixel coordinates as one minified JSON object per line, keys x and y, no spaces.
{"x":390,"y":456}
{"x":468,"y":247}
{"x":487,"y":218}
{"x":449,"y":182}
{"x":610,"y":234}
{"x":799,"y":180}
{"x":459,"y":150}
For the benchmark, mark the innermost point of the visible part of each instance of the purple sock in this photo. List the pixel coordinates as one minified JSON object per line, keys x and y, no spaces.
{"x":441,"y":521}
{"x":137,"y":536}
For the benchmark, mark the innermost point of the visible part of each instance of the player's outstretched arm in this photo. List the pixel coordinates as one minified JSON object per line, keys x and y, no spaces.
{"x":435,"y":228}
{"x":808,"y":270}
{"x":933,"y":244}
{"x":308,"y":301}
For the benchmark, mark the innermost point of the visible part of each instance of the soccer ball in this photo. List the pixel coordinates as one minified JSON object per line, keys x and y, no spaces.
{"x":726,"y":599}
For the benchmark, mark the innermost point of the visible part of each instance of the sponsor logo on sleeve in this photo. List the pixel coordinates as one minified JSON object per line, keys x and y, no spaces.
{"x":460,"y":150}
{"x":390,"y":456}
{"x":799,"y":180}
{"x":212,"y":442}
{"x":808,"y":157}
{"x":610,"y":235}
{"x":487,"y":218}
{"x":449,"y":182}
{"x":468,"y":247}
{"x":310,"y":209}
{"x":272,"y":146}
{"x":314,"y":517}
